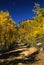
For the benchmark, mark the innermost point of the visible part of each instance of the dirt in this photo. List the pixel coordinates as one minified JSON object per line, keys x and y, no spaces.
{"x":39,"y":60}
{"x":11,"y":60}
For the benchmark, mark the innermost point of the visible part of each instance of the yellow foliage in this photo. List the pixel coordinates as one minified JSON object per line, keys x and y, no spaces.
{"x":21,"y":31}
{"x":29,"y":31}
{"x":7,"y":28}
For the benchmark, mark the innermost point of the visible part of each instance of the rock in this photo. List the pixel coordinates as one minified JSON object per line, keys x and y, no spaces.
{"x":20,"y":63}
{"x":29,"y":52}
{"x":39,"y":44}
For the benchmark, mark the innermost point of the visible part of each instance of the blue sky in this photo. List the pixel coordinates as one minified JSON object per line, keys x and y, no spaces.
{"x":20,"y":9}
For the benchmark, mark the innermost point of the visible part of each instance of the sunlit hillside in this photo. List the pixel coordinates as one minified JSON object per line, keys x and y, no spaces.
{"x":23,"y":43}
{"x":28,"y":32}
{"x":31,"y":32}
{"x":7,"y":30}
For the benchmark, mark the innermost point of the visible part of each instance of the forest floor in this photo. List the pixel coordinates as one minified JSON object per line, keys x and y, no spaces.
{"x":40,"y":60}
{"x":11,"y":59}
